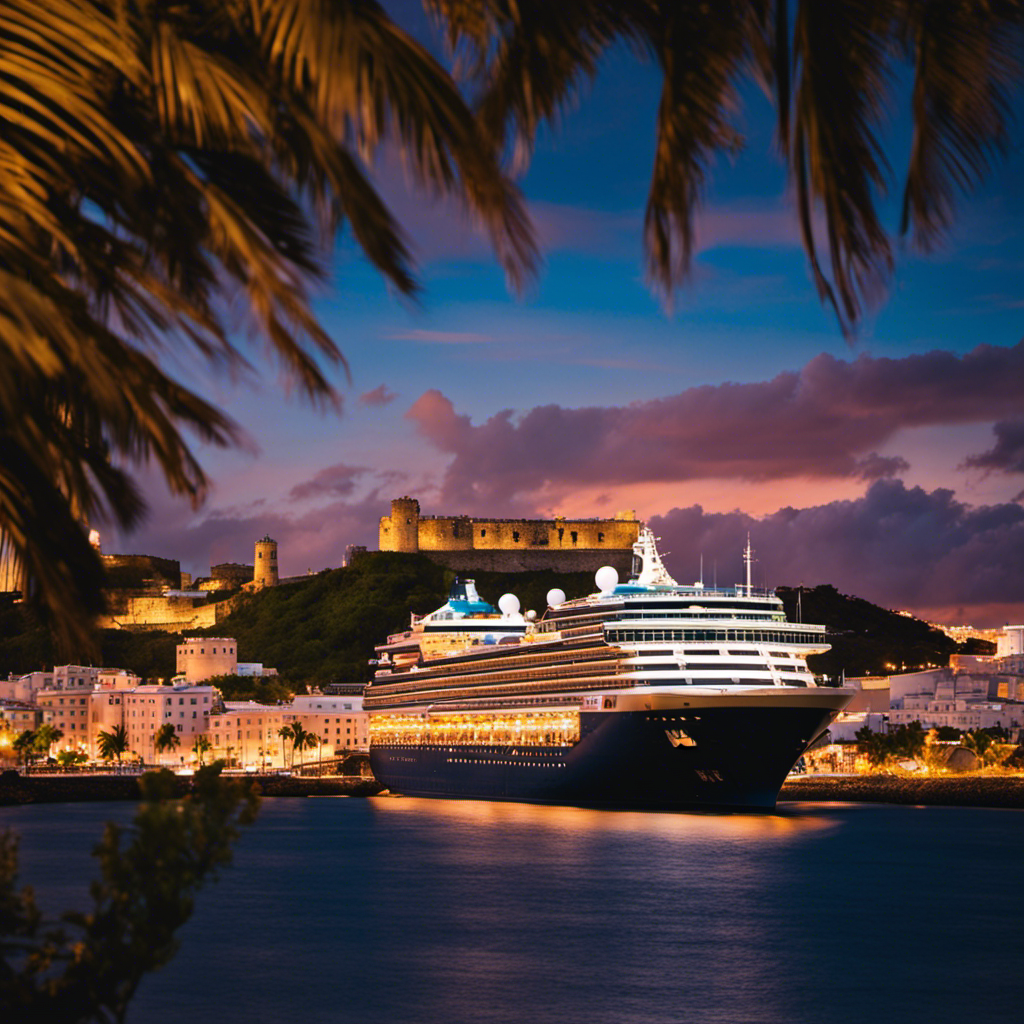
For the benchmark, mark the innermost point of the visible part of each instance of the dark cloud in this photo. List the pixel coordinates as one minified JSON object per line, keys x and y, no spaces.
{"x":382,"y":395}
{"x":311,"y":540}
{"x":827,"y":420}
{"x":336,"y":481}
{"x":1007,"y":454}
{"x":897,"y":546}
{"x":876,"y":467}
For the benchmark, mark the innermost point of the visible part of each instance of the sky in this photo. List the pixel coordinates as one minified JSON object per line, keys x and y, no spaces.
{"x":891,"y":466}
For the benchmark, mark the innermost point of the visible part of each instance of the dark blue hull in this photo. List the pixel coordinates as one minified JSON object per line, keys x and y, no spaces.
{"x":711,"y":758}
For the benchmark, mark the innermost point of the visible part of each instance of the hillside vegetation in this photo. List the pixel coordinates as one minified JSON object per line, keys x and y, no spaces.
{"x":324,"y":628}
{"x":869,"y":640}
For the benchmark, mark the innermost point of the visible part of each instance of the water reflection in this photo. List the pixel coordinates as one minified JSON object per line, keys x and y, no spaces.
{"x":425,"y":911}
{"x":787,"y":821}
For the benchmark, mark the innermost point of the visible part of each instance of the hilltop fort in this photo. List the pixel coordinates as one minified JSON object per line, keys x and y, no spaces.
{"x":465,"y":543}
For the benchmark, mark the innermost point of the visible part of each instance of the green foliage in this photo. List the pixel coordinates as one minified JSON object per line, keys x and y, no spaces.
{"x":27,"y":646}
{"x":113,"y":744}
{"x":905,"y":743}
{"x":25,"y":745}
{"x":88,"y":967}
{"x":166,"y":738}
{"x":324,"y":629}
{"x":200,"y":748}
{"x":263,"y":690}
{"x":69,"y":758}
{"x":866,"y":640}
{"x":46,"y":736}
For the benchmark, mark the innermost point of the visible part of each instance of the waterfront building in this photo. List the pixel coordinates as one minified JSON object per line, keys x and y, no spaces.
{"x":339,"y":720}
{"x":25,"y":688}
{"x":246,"y":733}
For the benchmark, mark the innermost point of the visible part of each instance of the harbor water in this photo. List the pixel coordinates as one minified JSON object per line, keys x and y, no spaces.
{"x":402,"y":910}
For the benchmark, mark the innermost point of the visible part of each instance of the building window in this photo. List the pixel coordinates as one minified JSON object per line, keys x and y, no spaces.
{"x":483,"y":533}
{"x":600,"y":537}
{"x":515,"y":536}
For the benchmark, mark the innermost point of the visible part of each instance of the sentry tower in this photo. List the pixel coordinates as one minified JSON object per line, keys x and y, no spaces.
{"x":264,"y":566}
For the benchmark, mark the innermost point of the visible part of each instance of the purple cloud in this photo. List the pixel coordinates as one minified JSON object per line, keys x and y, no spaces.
{"x":382,"y":395}
{"x":338,"y":481}
{"x":896,"y":546}
{"x":827,"y":420}
{"x":1007,"y":454}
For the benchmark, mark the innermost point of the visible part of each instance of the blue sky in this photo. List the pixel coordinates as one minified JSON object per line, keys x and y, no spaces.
{"x":470,"y":399}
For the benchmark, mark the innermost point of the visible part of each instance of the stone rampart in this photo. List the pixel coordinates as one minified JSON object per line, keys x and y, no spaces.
{"x":142,"y":573}
{"x":532,"y":560}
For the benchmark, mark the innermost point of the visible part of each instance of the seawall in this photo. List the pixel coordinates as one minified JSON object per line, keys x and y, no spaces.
{"x":18,"y":789}
{"x":944,"y":791}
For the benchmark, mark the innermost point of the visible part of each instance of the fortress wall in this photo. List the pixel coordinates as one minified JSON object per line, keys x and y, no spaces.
{"x":532,"y":560}
{"x":446,"y":533}
{"x":557,"y":534}
{"x":144,"y":573}
{"x":406,"y":530}
{"x":170,"y":614}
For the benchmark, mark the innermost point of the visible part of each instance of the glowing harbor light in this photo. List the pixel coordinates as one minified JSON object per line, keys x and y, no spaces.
{"x":606,"y":578}
{"x":555,"y":597}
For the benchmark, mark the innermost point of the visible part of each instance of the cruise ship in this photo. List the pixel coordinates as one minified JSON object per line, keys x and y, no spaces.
{"x":646,"y":694}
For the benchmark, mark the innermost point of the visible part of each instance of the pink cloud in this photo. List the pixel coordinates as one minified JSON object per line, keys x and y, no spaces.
{"x":441,"y":337}
{"x":381,"y":395}
{"x":828,"y":420}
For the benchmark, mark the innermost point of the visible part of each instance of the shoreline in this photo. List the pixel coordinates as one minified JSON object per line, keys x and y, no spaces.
{"x":934,"y":791}
{"x":940,"y":791}
{"x":18,"y":790}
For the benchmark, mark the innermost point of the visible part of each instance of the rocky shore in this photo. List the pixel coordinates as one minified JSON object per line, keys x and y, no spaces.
{"x":943,"y":790}
{"x":951,"y":791}
{"x":47,"y":789}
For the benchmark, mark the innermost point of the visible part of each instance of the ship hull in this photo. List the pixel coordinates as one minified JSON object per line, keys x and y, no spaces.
{"x":710,"y":758}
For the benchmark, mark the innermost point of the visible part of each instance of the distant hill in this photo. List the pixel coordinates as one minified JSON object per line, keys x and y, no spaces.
{"x":869,"y":640}
{"x":323,"y":629}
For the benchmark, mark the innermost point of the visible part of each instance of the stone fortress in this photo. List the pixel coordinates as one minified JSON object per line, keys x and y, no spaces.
{"x":147,"y":592}
{"x":465,"y":543}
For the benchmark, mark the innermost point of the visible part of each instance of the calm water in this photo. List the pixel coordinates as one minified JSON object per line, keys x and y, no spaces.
{"x":401,"y":910}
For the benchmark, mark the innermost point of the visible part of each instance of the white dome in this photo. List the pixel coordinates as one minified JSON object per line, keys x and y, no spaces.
{"x":556,"y":596}
{"x":509,"y":604}
{"x":606,"y":578}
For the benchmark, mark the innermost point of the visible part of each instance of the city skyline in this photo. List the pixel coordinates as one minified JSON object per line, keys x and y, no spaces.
{"x":890,"y":466}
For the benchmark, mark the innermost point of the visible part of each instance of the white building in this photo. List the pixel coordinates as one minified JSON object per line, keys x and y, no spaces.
{"x":1011,"y":641}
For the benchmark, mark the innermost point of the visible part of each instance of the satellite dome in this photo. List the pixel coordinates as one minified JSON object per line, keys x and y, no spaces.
{"x":509,"y":604}
{"x":556,"y":596}
{"x":606,"y":578}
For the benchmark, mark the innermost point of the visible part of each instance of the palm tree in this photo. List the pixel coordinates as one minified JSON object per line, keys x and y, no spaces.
{"x":162,"y":166}
{"x":46,"y":736}
{"x":287,"y":733}
{"x":166,"y":738}
{"x":831,"y":70}
{"x":200,"y":748}
{"x":113,"y":744}
{"x":301,"y":739}
{"x":25,"y":745}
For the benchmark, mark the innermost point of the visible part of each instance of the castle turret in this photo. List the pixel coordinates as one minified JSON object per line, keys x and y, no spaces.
{"x":264,"y":572}
{"x":401,"y":530}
